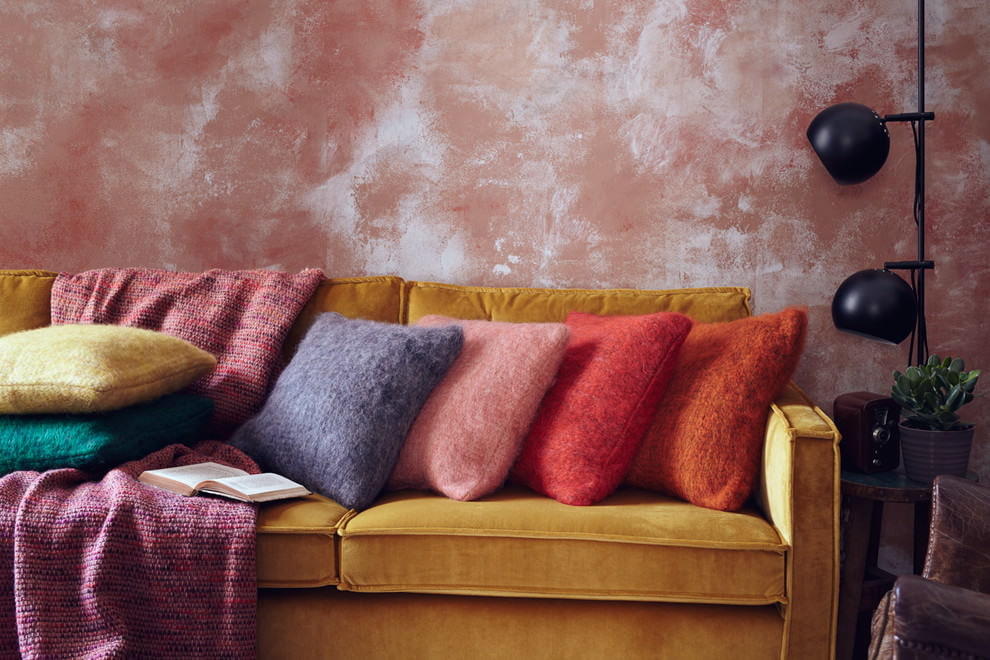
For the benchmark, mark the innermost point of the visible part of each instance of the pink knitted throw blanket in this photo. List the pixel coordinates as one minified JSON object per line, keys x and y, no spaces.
{"x":241,"y":317}
{"x":114,"y":568}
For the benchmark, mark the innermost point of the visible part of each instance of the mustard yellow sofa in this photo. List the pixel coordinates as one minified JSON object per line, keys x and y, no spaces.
{"x":518,"y":575}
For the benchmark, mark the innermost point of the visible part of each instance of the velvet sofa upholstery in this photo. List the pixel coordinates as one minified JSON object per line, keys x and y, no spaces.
{"x":516,"y":574}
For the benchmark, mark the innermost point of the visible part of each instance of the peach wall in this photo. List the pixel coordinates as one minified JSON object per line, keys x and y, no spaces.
{"x":643,"y":143}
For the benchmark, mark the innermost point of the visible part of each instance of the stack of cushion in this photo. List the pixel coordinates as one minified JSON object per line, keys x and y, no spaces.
{"x":94,"y":396}
{"x":571,"y":410}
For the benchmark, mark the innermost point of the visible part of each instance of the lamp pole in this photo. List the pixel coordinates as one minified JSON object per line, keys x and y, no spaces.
{"x":921,"y":150}
{"x":918,"y":267}
{"x":921,"y":347}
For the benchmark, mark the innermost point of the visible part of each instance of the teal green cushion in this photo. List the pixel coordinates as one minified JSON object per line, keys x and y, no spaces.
{"x":100,"y":440}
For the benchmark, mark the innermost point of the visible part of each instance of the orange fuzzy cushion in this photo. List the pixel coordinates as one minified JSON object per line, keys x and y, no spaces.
{"x":592,"y":420}
{"x":706,"y":440}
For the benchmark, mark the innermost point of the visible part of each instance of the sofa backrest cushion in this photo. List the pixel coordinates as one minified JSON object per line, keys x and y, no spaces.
{"x":25,"y":299}
{"x":368,"y":298}
{"x":25,"y":302}
{"x":516,"y":304}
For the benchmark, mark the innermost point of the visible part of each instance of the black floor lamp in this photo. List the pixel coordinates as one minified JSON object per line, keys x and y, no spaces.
{"x":852,"y":142}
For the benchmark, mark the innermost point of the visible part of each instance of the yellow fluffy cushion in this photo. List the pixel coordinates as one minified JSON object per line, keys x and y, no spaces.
{"x":93,"y":368}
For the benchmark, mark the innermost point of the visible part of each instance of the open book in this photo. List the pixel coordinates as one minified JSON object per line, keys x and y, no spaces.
{"x":217,"y":479}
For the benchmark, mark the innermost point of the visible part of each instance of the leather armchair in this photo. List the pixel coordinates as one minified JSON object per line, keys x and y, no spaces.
{"x":945,"y":612}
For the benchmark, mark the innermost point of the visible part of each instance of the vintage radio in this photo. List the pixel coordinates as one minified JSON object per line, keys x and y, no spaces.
{"x":870,"y":437}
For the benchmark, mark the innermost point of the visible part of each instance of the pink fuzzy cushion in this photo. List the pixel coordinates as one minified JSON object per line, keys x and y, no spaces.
{"x":593,"y":419}
{"x":468,"y":433}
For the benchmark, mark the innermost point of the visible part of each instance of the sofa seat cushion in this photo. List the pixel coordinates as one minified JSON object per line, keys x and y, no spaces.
{"x":296,"y":542}
{"x":634,"y":545}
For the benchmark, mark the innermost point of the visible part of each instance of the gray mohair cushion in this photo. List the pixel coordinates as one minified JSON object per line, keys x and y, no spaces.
{"x":339,"y":413}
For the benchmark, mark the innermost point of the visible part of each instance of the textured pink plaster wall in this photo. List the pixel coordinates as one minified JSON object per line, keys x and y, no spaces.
{"x":644,"y":143}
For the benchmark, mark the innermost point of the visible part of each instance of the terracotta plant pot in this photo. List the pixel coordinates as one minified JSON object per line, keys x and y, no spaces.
{"x":928,"y":454}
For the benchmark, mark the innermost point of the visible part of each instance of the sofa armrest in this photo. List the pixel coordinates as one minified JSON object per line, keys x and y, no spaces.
{"x":799,"y":493}
{"x":932,"y":619}
{"x":959,"y":542}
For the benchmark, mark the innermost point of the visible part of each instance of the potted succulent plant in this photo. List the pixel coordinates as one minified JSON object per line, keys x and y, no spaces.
{"x":933,"y":439}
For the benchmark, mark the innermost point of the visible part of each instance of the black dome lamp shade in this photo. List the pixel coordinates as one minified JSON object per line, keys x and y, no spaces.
{"x":876,"y":304}
{"x":851,"y":141}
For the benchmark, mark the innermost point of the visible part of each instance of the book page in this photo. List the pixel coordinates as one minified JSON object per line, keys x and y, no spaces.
{"x":253,"y":484}
{"x":191,"y":475}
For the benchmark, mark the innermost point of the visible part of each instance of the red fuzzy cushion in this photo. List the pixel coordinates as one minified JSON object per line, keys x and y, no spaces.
{"x":706,"y":441}
{"x":592,"y":420}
